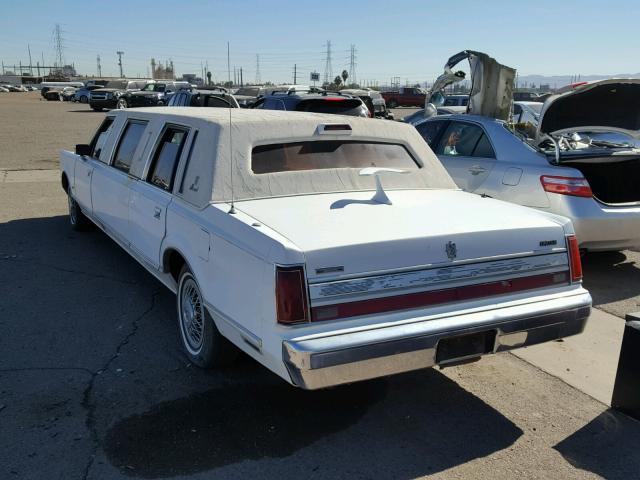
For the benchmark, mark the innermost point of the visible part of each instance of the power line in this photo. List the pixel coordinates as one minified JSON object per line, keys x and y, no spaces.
{"x":352,"y":64}
{"x":58,"y":45}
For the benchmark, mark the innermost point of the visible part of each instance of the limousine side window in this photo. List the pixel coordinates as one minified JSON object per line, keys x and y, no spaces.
{"x":100,"y":138}
{"x":128,"y":144}
{"x":166,"y":156}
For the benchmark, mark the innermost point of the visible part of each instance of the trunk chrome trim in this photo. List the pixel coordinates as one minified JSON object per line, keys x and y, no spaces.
{"x":436,"y":277}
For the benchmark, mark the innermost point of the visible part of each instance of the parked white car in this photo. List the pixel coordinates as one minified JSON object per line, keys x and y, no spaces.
{"x":329,"y":249}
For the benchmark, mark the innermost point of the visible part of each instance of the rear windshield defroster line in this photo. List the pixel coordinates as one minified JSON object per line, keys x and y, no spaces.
{"x":327,"y":154}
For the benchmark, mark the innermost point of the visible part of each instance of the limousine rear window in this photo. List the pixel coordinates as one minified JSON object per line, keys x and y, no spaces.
{"x":325,"y":154}
{"x":165,"y":158}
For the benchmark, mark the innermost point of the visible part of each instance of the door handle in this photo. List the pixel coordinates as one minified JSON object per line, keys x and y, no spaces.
{"x":89,"y":172}
{"x":477,"y":170}
{"x":156,"y":212}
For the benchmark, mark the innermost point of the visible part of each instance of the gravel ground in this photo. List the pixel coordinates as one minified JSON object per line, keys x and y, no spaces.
{"x":32,"y":130}
{"x":93,"y":384}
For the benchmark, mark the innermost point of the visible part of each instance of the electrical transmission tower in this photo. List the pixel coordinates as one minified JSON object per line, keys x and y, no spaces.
{"x":328,"y":69}
{"x":58,"y":46}
{"x":352,"y":65}
{"x":99,"y":67}
{"x":258,"y":80}
{"x":119,"y":53}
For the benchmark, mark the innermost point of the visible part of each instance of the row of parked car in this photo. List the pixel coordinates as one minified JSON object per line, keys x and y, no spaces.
{"x":129,"y":94}
{"x":6,"y":88}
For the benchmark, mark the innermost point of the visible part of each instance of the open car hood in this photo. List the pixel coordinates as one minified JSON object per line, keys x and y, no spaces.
{"x":611,"y":105}
{"x":491,"y":84}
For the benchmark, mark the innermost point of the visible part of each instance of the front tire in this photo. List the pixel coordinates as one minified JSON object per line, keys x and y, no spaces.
{"x":202,"y":341}
{"x":84,"y":99}
{"x":78,"y":221}
{"x":122,"y":104}
{"x":392,"y":104}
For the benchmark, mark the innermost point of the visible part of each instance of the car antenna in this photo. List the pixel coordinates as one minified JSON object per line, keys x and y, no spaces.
{"x":232,"y":210}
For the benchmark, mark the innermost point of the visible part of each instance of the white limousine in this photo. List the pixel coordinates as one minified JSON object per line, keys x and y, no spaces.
{"x":330,"y":249}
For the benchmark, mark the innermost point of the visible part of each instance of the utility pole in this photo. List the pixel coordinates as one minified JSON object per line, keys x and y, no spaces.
{"x":99,"y":67}
{"x":258,"y":69}
{"x":119,"y":53}
{"x":241,"y":79}
{"x":228,"y":63}
{"x":30,"y":62}
{"x":328,"y":69}
{"x":295,"y":74}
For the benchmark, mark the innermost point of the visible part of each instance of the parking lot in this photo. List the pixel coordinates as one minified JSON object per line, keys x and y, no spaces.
{"x":94,"y":384}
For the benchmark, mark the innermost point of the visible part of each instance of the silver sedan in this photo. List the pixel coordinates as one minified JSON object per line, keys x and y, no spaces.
{"x":487,"y":157}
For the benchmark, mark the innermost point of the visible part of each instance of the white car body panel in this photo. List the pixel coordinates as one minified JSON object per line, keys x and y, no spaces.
{"x":352,"y":248}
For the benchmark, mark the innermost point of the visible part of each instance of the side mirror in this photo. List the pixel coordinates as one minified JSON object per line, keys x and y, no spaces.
{"x":83,"y":150}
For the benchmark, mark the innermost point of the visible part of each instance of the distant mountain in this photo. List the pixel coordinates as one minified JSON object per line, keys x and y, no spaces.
{"x":557,"y":81}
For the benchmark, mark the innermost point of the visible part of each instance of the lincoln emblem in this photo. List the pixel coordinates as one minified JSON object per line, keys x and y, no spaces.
{"x":452,"y":250}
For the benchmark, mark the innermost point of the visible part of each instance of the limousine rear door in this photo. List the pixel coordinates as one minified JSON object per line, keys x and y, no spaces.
{"x":150,"y":197}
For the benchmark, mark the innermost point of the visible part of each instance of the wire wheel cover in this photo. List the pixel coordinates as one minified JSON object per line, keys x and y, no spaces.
{"x":191,"y":314}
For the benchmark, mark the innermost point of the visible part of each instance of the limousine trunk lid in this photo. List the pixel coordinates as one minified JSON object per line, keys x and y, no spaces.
{"x":346,"y":235}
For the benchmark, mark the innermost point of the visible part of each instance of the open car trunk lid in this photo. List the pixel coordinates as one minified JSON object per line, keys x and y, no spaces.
{"x":607,"y":105}
{"x":491,"y":84}
{"x":348,"y":234}
{"x":597,"y":109}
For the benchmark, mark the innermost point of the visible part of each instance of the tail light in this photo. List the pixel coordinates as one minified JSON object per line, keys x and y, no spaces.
{"x":575,"y":186}
{"x":574,"y":258}
{"x":292,"y":304}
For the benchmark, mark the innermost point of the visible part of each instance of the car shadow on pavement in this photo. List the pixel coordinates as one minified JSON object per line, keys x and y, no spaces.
{"x":406,"y":426}
{"x":601,"y":267}
{"x":607,"y":446}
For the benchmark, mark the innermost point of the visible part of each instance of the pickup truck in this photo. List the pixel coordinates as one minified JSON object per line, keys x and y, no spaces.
{"x":330,"y":249}
{"x":405,"y":97}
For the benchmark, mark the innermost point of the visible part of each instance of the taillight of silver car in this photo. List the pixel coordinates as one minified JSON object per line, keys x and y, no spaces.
{"x":292,"y":303}
{"x":574,"y":258}
{"x":574,"y":186}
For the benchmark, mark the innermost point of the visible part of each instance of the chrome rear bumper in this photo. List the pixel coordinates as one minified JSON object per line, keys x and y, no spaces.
{"x":336,"y":358}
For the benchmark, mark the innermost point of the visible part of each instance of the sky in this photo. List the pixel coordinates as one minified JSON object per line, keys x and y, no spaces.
{"x":408,"y":39}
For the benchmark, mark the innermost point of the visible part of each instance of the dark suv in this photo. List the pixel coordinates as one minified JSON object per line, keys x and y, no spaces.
{"x":203,"y":98}
{"x":326,"y":102}
{"x":107,"y":97}
{"x":153,"y":94}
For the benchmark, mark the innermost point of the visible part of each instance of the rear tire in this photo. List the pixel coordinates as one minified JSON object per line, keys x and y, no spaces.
{"x":392,"y":104}
{"x":79,"y":222}
{"x":202,"y":341}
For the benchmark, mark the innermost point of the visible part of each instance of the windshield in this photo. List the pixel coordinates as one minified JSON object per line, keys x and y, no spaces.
{"x":328,"y":154}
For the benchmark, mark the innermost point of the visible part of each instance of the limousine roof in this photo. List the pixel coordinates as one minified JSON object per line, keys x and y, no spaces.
{"x":213,"y":181}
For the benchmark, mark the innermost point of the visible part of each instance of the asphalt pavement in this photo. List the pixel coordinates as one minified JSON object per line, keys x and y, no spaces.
{"x":94,"y":384}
